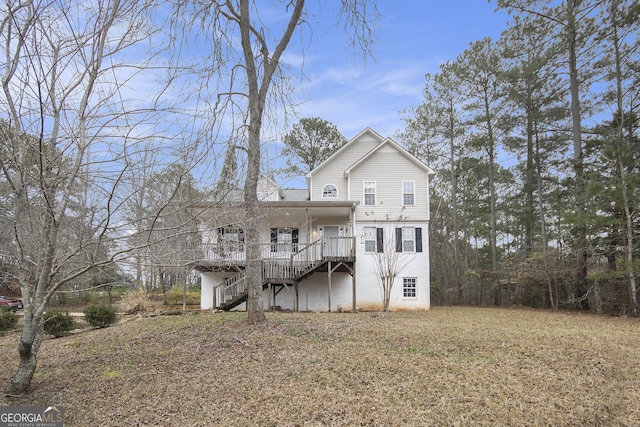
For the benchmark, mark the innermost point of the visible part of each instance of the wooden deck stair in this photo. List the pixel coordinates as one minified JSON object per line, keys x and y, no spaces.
{"x":233,"y":291}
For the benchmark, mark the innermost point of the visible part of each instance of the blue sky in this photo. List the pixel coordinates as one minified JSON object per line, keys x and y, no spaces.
{"x":414,"y":38}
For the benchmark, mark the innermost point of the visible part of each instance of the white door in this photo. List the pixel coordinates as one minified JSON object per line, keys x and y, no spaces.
{"x":331,"y":244}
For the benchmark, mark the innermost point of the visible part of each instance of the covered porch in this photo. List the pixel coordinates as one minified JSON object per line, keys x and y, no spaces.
{"x":299,"y":240}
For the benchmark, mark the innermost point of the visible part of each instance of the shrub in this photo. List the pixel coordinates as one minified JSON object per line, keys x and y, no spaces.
{"x":100,"y":315}
{"x":135,"y":301}
{"x":8,"y":318}
{"x":58,"y":323}
{"x":174,"y":296}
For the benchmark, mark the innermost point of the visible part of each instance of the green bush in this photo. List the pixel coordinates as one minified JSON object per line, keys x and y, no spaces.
{"x":58,"y":323}
{"x":174,"y":296}
{"x":100,"y":315}
{"x":8,"y":319}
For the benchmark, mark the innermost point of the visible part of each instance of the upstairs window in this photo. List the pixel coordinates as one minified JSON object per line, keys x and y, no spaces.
{"x":408,"y":193}
{"x":329,"y":191}
{"x":369,"y":193}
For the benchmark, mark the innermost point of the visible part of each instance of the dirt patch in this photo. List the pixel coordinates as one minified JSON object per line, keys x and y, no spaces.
{"x":449,"y":366}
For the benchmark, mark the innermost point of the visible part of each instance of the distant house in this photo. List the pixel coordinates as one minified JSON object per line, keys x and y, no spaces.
{"x":321,"y":246}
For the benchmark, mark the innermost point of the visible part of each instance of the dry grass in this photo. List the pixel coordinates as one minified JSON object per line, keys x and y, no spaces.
{"x":449,"y":366}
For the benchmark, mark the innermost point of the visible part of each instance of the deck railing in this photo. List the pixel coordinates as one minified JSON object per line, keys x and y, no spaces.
{"x":225,"y":255}
{"x":283,"y":266}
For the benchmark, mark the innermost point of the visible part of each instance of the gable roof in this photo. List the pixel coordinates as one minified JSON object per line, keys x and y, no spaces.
{"x":271,"y":181}
{"x":295,"y":195}
{"x":353,"y":140}
{"x":401,"y":150}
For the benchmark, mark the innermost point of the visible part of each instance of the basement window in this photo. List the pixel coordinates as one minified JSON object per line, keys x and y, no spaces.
{"x":409,"y":287}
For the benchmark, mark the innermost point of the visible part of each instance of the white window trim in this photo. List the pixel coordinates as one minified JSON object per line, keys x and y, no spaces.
{"x":231,"y":239}
{"x":415,"y":282}
{"x":413,"y":193}
{"x":375,"y":193}
{"x":284,"y":240}
{"x":375,"y":239}
{"x":330,"y":197}
{"x":404,"y":249}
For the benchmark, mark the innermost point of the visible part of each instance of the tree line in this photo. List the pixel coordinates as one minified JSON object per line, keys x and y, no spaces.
{"x":536,"y":143}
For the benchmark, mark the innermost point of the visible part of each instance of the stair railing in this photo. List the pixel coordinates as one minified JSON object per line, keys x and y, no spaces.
{"x":304,"y":260}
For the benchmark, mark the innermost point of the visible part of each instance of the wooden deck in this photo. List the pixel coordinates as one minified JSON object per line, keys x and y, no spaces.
{"x":278,"y":268}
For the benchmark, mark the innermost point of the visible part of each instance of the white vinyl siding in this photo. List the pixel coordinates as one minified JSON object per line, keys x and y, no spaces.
{"x":267,"y":190}
{"x":390,"y":169}
{"x":333,"y":171}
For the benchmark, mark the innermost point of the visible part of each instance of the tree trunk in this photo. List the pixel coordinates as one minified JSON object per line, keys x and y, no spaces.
{"x":255,"y":308}
{"x":626,"y":209}
{"x":454,"y":202}
{"x":578,"y":164}
{"x":492,"y":188}
{"x":258,"y":90}
{"x":529,"y":178}
{"x":30,"y":340}
{"x":553,"y":297}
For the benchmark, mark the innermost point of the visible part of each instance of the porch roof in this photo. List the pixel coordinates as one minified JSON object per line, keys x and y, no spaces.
{"x":295,"y":208}
{"x":318,"y":208}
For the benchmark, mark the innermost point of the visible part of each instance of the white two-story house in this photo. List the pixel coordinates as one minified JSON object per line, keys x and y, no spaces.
{"x":366,"y":210}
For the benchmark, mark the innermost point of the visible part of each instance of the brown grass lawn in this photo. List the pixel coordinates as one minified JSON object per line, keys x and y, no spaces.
{"x":449,"y":366}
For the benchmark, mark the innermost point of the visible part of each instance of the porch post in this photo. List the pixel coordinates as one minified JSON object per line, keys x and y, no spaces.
{"x":309,"y":234}
{"x":353,"y":253}
{"x":353,"y":282}
{"x":269,"y":301}
{"x":329,"y":272}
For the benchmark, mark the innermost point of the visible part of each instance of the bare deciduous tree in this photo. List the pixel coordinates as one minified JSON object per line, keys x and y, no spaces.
{"x":252,"y":79}
{"x":390,"y":259}
{"x":63,"y":143}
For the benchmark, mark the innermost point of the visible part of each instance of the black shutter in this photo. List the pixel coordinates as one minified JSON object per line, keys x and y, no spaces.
{"x":241,"y":239}
{"x":418,"y":239}
{"x":379,"y":240}
{"x":220,"y":240}
{"x":398,"y":239}
{"x":294,"y":239}
{"x":274,"y":240}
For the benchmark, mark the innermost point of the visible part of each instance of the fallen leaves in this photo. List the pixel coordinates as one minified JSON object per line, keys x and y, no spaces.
{"x":449,"y":366}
